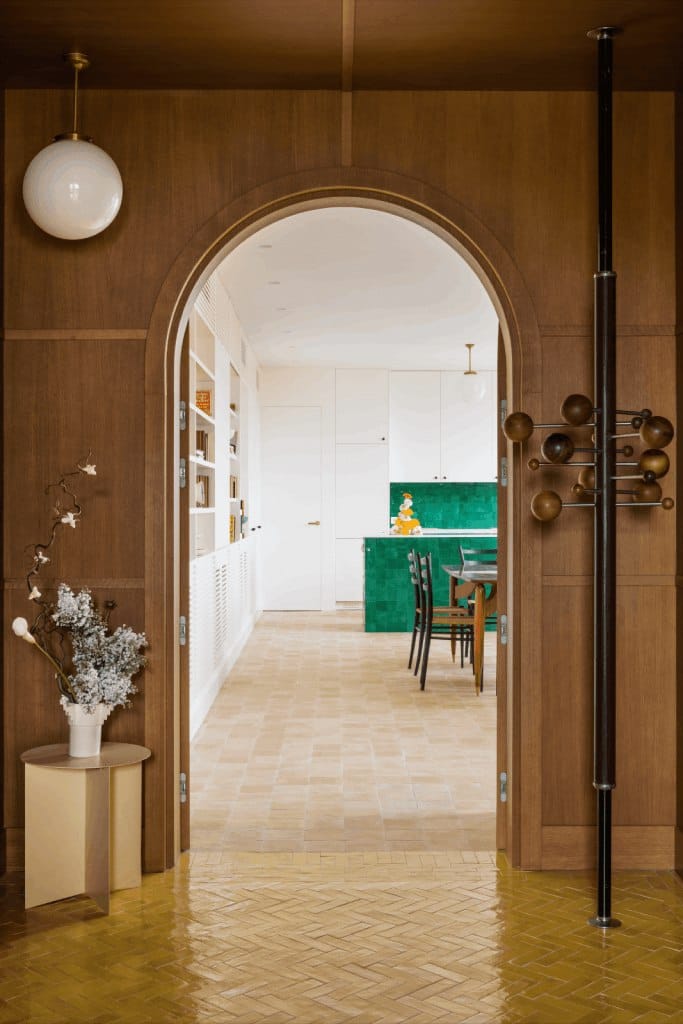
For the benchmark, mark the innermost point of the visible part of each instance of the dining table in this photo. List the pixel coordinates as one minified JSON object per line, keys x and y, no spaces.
{"x":477,"y":583}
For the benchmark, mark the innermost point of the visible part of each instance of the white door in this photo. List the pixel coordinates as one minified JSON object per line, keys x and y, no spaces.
{"x":415,"y":425}
{"x":291,"y":506}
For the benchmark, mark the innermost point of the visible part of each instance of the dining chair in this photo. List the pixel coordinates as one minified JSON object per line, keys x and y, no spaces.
{"x":479,"y":558}
{"x":414,"y":567}
{"x":441,"y":622}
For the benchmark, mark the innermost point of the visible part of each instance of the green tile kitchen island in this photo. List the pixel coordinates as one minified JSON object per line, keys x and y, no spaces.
{"x":388,"y":595}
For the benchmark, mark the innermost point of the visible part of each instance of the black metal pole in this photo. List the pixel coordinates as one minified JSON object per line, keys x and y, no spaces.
{"x":604,"y":611}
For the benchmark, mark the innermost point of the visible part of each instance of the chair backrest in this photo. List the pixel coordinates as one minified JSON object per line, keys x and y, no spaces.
{"x":414,"y":566}
{"x":426,"y":577}
{"x":471,"y":557}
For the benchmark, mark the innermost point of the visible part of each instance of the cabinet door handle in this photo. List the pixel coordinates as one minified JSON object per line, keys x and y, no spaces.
{"x":313,"y":522}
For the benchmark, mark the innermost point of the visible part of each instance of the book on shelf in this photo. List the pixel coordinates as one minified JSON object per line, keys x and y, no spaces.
{"x":202,"y":445}
{"x":233,"y":486}
{"x":201,"y":492}
{"x":233,"y":529}
{"x":202,"y":399}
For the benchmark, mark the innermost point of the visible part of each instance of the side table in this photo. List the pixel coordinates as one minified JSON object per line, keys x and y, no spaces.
{"x":83,"y":822}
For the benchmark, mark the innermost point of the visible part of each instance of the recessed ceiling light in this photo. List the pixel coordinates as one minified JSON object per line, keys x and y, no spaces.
{"x":273,"y":282}
{"x":280,"y":309}
{"x":263,"y":246}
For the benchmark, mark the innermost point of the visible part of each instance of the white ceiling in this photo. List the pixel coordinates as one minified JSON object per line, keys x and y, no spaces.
{"x":352,"y":287}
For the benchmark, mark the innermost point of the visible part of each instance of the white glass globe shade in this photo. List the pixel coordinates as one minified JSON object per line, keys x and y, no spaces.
{"x":72,"y":189}
{"x":473,"y":387}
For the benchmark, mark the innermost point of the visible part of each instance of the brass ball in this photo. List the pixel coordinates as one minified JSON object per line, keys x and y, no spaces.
{"x":627,"y":451}
{"x":578,"y":491}
{"x":646,"y":413}
{"x":637,"y":422}
{"x":576,"y":409}
{"x":647,"y":492}
{"x":518,"y":427}
{"x":546,"y":506}
{"x":587,"y":477}
{"x":654,"y":461}
{"x":557,"y":448}
{"x":667,"y":503}
{"x":533,"y":464}
{"x":649,"y":477}
{"x":657,"y":432}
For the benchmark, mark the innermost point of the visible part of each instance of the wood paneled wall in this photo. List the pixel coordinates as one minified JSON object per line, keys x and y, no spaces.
{"x":524,"y":165}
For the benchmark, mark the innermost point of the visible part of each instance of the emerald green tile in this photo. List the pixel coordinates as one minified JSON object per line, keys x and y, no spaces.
{"x":449,"y":506}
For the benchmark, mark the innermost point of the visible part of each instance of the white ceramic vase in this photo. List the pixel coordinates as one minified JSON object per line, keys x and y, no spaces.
{"x":85,"y":728}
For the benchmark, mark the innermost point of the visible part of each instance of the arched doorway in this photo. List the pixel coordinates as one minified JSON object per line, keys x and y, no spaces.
{"x":519,"y":330}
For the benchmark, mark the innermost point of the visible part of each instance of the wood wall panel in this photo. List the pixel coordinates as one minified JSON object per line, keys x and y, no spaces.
{"x":182,"y":156}
{"x":66,"y":397}
{"x":567,"y":631}
{"x":523,"y":164}
{"x":572,"y":848}
{"x":646,"y":697}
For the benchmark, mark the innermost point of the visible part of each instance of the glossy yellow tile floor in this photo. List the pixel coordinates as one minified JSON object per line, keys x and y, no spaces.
{"x":377,"y":936}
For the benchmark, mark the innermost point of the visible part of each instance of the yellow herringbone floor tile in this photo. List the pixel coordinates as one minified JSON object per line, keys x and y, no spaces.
{"x":369,"y":934}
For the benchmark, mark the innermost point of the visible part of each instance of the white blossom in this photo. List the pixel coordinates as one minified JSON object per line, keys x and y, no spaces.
{"x":20,"y":628}
{"x":69,"y":520}
{"x":35,"y":594}
{"x":89,"y":469}
{"x":41,"y":558}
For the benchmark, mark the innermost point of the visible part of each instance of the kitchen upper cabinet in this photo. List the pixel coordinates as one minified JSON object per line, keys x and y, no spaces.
{"x":415,"y":425}
{"x":468,"y":428}
{"x":362,"y":406}
{"x":439,"y":430}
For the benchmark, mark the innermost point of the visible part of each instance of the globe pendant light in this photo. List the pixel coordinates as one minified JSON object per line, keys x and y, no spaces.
{"x":72,"y":188}
{"x":474,"y":386}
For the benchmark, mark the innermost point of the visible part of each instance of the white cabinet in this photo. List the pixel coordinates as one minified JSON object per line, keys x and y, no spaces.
{"x":361,"y":490}
{"x":362,"y":406}
{"x":468,"y":427}
{"x":415,"y":430}
{"x":348,"y":570}
{"x":440,"y":429}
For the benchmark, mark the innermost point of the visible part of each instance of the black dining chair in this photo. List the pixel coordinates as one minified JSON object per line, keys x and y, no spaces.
{"x":441,"y":622}
{"x":414,"y":567}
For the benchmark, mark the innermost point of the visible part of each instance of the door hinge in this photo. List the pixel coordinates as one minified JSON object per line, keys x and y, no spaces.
{"x":503,"y":629}
{"x":503,"y":471}
{"x":503,"y":410}
{"x":182,"y":630}
{"x":183,"y":788}
{"x":182,"y":415}
{"x":503,"y":787}
{"x":182,"y":473}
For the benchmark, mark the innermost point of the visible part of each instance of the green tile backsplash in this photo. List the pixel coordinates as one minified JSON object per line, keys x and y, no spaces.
{"x":449,"y":506}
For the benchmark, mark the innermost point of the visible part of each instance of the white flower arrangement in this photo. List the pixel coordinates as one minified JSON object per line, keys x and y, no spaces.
{"x":103,"y":662}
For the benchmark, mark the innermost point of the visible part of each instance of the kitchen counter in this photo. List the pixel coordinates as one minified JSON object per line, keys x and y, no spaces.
{"x":389,"y":602}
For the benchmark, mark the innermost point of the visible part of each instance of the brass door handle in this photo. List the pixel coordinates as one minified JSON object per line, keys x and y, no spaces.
{"x":313,"y":522}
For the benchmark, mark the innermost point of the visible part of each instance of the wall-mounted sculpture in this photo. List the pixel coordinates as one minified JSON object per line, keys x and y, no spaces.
{"x":598,"y":478}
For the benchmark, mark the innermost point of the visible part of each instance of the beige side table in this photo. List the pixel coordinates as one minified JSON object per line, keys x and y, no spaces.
{"x":83,"y":822}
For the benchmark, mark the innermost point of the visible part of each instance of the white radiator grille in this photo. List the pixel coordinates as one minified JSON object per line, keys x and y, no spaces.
{"x":206,"y":303}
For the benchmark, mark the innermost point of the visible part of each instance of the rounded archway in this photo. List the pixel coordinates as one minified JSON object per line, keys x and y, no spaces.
{"x":457,"y":226}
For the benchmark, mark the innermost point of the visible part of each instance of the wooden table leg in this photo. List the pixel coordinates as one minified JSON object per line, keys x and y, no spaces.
{"x":479,"y":630}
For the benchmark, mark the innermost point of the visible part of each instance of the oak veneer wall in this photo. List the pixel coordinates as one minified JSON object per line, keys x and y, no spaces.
{"x":524,"y":164}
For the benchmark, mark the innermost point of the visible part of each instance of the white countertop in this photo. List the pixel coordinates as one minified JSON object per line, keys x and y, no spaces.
{"x":491,"y":532}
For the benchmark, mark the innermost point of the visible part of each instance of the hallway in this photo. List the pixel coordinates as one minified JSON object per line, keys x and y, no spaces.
{"x":343,"y":871}
{"x":322,"y":741}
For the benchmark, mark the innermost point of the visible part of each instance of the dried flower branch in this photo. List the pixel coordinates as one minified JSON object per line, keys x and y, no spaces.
{"x":103,"y":662}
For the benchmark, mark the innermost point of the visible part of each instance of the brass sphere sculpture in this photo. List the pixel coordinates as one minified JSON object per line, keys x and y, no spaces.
{"x":557,"y":448}
{"x":546,"y":506}
{"x":647,"y":491}
{"x":654,"y":461}
{"x":657,"y":431}
{"x":533,"y":464}
{"x":627,"y":451}
{"x":587,"y":477}
{"x":518,"y":426}
{"x":578,"y":490}
{"x":576,"y":410}
{"x":667,"y":503}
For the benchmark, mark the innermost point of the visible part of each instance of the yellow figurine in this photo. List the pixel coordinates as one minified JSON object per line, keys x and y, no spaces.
{"x":405,"y":524}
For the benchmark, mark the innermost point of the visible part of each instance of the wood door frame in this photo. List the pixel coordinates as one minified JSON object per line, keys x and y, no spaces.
{"x":503,"y":281}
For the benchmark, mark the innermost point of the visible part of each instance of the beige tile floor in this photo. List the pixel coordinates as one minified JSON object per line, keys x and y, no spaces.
{"x":321,"y":740}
